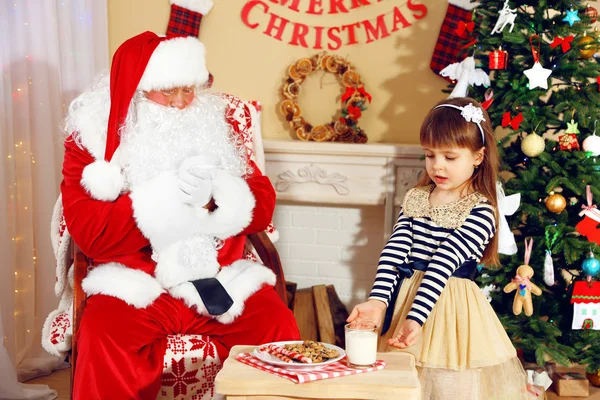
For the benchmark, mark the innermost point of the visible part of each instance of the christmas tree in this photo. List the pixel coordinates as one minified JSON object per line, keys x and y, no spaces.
{"x":544,"y":91}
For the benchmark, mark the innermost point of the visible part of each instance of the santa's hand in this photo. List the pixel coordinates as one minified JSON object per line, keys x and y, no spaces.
{"x":194,"y":179}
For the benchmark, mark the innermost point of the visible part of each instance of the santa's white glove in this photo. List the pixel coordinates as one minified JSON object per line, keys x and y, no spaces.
{"x":194,"y":180}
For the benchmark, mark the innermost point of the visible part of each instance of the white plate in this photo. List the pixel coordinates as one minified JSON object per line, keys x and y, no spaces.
{"x":268,"y":358}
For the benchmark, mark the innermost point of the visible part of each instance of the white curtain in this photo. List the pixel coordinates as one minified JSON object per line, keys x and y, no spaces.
{"x":50,"y":50}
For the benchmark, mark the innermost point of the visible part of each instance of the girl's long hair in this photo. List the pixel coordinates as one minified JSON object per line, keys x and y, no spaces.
{"x":445,"y":127}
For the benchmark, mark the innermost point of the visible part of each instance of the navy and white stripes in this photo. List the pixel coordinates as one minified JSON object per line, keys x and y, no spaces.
{"x":420,"y":239}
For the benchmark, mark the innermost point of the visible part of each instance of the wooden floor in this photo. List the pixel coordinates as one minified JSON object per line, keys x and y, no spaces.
{"x":59,"y":381}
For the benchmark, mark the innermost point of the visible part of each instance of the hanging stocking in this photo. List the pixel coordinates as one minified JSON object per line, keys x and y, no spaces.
{"x":457,"y":27}
{"x":588,"y":226}
{"x":185,"y":19}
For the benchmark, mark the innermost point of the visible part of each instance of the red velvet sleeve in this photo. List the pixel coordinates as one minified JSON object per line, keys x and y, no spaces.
{"x":264,"y":193}
{"x":101,"y":229}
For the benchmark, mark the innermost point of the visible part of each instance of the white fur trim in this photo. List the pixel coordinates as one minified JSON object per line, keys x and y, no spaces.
{"x":176,"y":62}
{"x":160,"y":214}
{"x":60,"y":245}
{"x":235,"y":206}
{"x":134,"y":287}
{"x":199,"y":6}
{"x":464,"y":4}
{"x":103,"y":180}
{"x":241,"y":280}
{"x":188,"y":260}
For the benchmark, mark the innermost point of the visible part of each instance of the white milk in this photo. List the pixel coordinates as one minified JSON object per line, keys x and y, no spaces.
{"x":361,"y":347}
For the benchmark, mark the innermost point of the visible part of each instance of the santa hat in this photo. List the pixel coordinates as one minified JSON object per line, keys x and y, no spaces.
{"x":144,"y":62}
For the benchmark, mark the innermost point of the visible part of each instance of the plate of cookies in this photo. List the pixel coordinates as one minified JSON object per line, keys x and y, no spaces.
{"x":299,"y":354}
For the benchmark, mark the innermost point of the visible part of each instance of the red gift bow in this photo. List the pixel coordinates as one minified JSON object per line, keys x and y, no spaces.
{"x":350,"y":91}
{"x":565,"y":43}
{"x":514,"y":123}
{"x":463,"y":27}
{"x":489,"y":99}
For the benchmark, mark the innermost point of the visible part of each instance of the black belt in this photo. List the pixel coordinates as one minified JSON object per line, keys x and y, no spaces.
{"x":216,"y":299}
{"x":468,"y":270}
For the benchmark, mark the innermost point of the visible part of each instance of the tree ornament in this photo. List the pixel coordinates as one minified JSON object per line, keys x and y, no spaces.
{"x":586,"y":305}
{"x":556,"y":203}
{"x":533,"y":145}
{"x":537,"y":75}
{"x":513,"y":122}
{"x":587,"y":47}
{"x":506,"y":16}
{"x":591,"y":13}
{"x":591,"y":266}
{"x":591,"y":144}
{"x":507,"y":206}
{"x":466,"y":74}
{"x":571,"y":17}
{"x":548,"y":262}
{"x":591,"y":219}
{"x":523,"y":286}
{"x":564,"y":43}
{"x":498,"y":59}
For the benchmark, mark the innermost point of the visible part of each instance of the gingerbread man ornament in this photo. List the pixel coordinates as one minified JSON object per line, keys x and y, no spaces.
{"x":523,"y":286}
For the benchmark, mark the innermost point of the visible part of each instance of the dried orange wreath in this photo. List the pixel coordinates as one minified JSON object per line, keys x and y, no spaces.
{"x":344,"y":128}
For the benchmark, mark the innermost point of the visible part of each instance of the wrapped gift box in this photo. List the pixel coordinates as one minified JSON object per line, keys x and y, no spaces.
{"x":572,"y":384}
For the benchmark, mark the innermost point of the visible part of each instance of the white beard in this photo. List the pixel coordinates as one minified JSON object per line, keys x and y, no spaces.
{"x":159,"y":138}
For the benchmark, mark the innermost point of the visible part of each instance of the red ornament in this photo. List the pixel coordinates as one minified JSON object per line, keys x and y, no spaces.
{"x":568,"y":142}
{"x":498,"y":59}
{"x":591,"y":13}
{"x":588,"y":226}
{"x":512,"y":122}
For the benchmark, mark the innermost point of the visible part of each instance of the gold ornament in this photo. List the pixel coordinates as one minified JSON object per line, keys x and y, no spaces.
{"x":533,"y":145}
{"x":556,"y":203}
{"x":587,"y":47}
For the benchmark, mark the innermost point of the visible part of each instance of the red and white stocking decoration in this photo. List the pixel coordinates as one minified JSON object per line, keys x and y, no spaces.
{"x":457,"y":27}
{"x":588,"y":226}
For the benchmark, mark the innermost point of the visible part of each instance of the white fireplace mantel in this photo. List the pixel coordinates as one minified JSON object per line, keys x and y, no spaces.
{"x":343,"y":173}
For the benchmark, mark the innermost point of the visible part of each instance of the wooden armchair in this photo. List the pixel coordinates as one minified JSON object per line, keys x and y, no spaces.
{"x":260,"y":241}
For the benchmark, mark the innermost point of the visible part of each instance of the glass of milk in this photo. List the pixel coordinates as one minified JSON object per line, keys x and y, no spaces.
{"x":361,"y":344}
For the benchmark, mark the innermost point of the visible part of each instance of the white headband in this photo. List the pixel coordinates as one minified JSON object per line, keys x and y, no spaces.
{"x":470,"y":113}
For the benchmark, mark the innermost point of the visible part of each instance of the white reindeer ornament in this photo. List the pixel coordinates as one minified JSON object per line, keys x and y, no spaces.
{"x":465,"y":74}
{"x":507,"y":16}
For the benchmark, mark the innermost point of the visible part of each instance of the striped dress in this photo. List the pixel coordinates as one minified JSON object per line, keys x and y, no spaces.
{"x":444,"y":236}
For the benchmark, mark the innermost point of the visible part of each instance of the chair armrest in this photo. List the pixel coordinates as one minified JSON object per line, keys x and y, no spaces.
{"x":270,"y":258}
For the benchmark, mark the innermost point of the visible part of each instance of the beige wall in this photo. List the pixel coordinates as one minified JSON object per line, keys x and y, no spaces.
{"x":249,"y":64}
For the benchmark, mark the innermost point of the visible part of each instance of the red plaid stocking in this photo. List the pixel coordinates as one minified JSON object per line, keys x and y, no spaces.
{"x":185,"y":19}
{"x":456,"y":28}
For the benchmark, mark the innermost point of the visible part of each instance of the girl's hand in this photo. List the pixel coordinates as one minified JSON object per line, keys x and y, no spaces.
{"x":371,"y":311}
{"x":409,"y":335}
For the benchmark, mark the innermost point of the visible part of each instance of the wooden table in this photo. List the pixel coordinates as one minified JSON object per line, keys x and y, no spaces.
{"x":398,"y":380}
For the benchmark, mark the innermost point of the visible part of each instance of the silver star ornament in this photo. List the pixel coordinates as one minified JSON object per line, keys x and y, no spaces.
{"x":538,"y":76}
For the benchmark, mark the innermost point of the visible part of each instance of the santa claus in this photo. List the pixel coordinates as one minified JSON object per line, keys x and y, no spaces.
{"x":159,"y":195}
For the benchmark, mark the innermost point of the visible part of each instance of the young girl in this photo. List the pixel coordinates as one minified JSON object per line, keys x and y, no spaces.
{"x":425,"y":276}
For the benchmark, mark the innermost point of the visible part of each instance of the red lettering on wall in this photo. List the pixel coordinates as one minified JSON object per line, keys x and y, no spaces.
{"x":312,"y":8}
{"x":399,"y":18}
{"x":318,"y":37}
{"x":334,"y":37}
{"x":417,"y":7}
{"x":335,"y":4}
{"x":373,"y":33}
{"x":278,"y":27}
{"x":299,"y":35}
{"x":351,"y":32}
{"x":246,"y":12}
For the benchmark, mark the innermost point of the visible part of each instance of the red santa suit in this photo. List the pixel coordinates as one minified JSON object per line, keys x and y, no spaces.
{"x":124,"y":227}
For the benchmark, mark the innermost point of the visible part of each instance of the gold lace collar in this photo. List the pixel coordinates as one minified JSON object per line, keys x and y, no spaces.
{"x":451,"y":215}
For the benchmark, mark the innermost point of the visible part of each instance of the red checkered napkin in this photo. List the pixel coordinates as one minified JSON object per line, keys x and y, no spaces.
{"x":332,"y":370}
